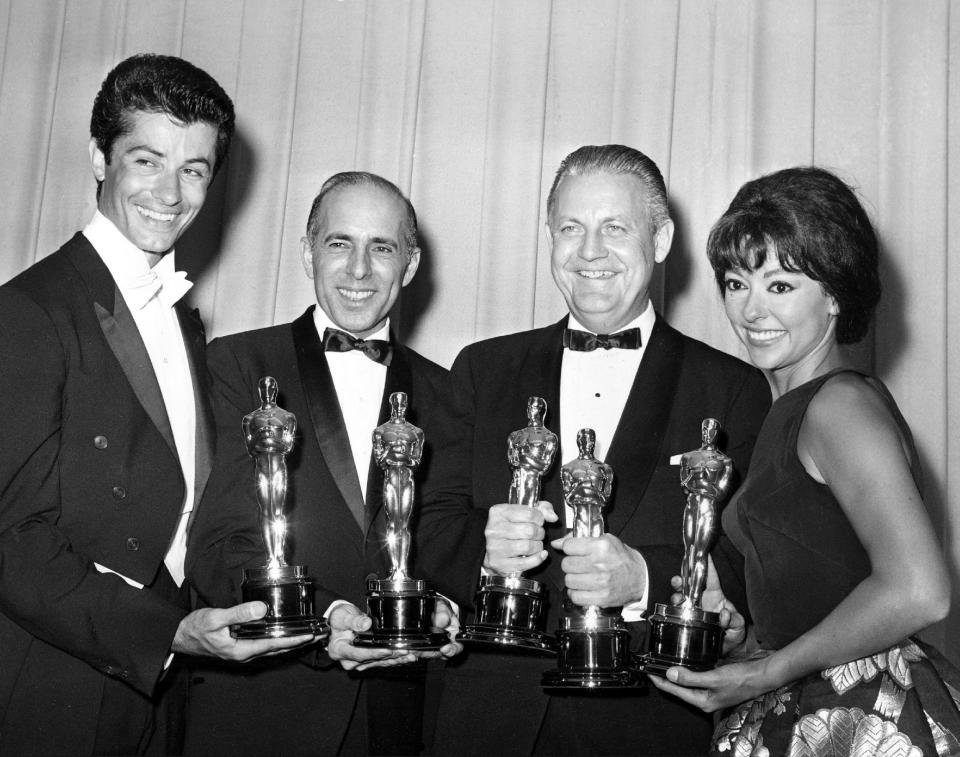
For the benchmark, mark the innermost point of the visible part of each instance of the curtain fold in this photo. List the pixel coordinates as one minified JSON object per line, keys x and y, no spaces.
{"x":470,"y":106}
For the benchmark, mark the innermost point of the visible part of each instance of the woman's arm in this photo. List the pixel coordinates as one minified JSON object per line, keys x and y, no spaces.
{"x":850,"y":441}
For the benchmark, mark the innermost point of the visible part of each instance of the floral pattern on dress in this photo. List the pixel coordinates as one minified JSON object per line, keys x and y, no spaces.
{"x":849,"y":732}
{"x":739,"y":732}
{"x":895,"y":661}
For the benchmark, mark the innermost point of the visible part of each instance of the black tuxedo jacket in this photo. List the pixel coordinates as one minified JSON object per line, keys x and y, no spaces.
{"x":234,"y":711}
{"x":88,"y":473}
{"x":680,"y":382}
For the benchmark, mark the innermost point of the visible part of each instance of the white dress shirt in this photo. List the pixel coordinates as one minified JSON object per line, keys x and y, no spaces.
{"x":159,"y":327}
{"x":359,"y":382}
{"x":594,"y":387}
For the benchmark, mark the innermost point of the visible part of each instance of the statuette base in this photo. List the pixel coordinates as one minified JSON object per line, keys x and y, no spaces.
{"x":402,"y":612}
{"x":509,"y":609}
{"x":686,"y":637}
{"x":288,"y":595}
{"x":594,"y":653}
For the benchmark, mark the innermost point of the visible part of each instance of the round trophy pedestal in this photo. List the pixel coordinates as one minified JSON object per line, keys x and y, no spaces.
{"x":508,"y":614}
{"x":402,"y":616}
{"x":688,"y":637}
{"x":592,"y":655}
{"x":288,"y":595}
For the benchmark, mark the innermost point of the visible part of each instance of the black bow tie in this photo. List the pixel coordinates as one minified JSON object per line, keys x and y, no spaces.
{"x":377,"y":350}
{"x":584,"y":341}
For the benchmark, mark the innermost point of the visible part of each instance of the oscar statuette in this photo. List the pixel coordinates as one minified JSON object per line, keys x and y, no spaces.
{"x":685,"y":634}
{"x":401,"y":607}
{"x":593,"y":642}
{"x":269,"y":432}
{"x":510,"y":608}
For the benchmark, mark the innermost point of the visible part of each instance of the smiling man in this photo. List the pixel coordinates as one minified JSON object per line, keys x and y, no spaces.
{"x":102,"y":374}
{"x":336,"y":366}
{"x":613,"y":365}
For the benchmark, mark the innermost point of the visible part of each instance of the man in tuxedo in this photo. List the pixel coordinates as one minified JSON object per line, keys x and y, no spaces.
{"x":613,"y":365}
{"x":109,"y":440}
{"x":336,"y":367}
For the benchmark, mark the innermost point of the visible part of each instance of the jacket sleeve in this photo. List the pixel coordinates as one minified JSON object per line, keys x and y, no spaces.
{"x":448,"y":530}
{"x":747,"y":405}
{"x":224,"y":535}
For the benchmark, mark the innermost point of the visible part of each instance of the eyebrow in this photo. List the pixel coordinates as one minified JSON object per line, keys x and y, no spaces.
{"x":157,"y":153}
{"x":352,"y":238}
{"x":780,"y":271}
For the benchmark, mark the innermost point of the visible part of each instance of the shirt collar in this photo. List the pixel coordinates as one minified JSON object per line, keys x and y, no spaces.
{"x":322,"y":321}
{"x":644,"y":322}
{"x":128,"y":265}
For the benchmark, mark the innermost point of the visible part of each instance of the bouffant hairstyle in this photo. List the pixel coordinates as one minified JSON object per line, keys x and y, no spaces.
{"x":814,"y":224}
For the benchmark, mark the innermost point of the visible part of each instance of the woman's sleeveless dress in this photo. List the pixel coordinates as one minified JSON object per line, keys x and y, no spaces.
{"x":802,"y":557}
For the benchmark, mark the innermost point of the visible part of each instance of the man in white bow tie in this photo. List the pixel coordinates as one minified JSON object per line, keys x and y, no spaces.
{"x":102,"y":374}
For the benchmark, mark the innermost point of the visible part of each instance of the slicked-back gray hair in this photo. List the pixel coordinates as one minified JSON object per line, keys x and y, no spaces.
{"x":615,"y":159}
{"x":363,"y":178}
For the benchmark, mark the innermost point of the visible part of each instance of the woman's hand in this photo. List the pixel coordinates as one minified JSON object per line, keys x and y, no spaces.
{"x":714,"y":600}
{"x":716,"y":689}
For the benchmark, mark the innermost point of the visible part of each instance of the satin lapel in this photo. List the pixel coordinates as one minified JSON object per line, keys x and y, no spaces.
{"x":328,"y":424}
{"x":121,"y":333}
{"x":399,"y":379}
{"x":194,"y":338}
{"x":541,"y":372}
{"x":636,"y":445}
{"x":545,"y":359}
{"x":124,"y":339}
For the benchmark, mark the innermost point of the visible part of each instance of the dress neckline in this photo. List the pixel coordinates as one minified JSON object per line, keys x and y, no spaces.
{"x":821,"y":378}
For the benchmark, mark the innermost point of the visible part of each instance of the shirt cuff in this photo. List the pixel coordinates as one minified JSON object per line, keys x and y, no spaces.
{"x":104,"y":569}
{"x":334,"y":605}
{"x":633,"y":611}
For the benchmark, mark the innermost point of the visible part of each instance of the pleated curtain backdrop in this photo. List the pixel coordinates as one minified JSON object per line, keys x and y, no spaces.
{"x":469,"y":106}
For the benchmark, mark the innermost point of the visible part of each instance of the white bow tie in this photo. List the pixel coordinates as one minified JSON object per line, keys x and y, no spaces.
{"x":168,"y":288}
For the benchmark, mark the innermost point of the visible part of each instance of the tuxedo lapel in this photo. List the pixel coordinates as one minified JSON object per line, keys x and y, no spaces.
{"x":194,"y":338}
{"x":121,"y":333}
{"x":540,"y":375}
{"x":328,"y":423}
{"x":124,"y":339}
{"x":636,"y":445}
{"x":544,"y":362}
{"x":399,"y":379}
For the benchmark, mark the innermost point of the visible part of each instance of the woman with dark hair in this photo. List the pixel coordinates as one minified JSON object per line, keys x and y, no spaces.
{"x":842,"y":563}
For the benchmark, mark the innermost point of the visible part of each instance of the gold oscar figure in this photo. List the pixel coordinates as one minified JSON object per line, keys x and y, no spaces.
{"x":593,"y":642}
{"x":401,"y":607}
{"x":269,"y":433}
{"x":510,"y":608}
{"x":685,"y":634}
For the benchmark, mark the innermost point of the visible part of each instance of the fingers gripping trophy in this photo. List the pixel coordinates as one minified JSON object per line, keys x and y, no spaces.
{"x":510,"y":608}
{"x":401,"y":607}
{"x":685,"y":634}
{"x":594,"y":644}
{"x":269,"y":433}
